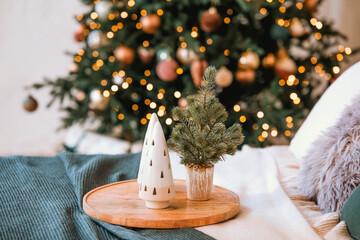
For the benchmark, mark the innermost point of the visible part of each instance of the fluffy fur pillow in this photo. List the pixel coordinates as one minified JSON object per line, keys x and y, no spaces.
{"x":331,"y":170}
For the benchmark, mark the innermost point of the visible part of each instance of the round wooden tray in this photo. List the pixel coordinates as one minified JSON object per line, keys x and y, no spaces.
{"x":119,"y":204}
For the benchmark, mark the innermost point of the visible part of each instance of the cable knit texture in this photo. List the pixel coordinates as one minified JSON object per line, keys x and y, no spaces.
{"x":330,"y":171}
{"x":41,"y":198}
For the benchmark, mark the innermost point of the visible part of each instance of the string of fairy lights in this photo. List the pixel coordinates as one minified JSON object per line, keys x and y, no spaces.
{"x":121,"y":81}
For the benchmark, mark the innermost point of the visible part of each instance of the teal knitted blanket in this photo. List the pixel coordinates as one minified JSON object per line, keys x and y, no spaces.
{"x":41,"y":198}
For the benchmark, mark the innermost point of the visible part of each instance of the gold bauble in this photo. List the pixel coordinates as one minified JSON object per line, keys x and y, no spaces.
{"x":249,"y":60}
{"x":124,"y":55}
{"x":150,"y":23}
{"x":97,"y":101}
{"x":296,"y":28}
{"x":246,"y":76}
{"x":185,"y":55}
{"x":284,"y":67}
{"x":224,"y":77}
{"x":269,"y":60}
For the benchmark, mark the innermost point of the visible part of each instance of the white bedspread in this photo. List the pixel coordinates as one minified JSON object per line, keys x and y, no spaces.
{"x":266,"y":210}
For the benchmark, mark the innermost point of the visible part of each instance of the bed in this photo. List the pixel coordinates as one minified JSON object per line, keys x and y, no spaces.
{"x":271,"y":205}
{"x":41,"y":198}
{"x":265,"y":179}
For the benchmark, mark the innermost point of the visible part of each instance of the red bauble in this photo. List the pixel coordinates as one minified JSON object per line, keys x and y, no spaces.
{"x":197,"y":70}
{"x":210,"y":20}
{"x":311,"y":3}
{"x":124,"y":55}
{"x":79,"y":35}
{"x":30,"y":104}
{"x":284,"y":67}
{"x":245,"y":77}
{"x":333,"y":79}
{"x":146,"y":54}
{"x":166,"y":70}
{"x":150,"y":23}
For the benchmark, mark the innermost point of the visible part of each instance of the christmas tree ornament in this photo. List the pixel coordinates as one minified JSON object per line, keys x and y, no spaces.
{"x":80,"y":95}
{"x":146,"y":55}
{"x":73,"y":68}
{"x":156,"y":181}
{"x":282,"y":53}
{"x":284,"y":66}
{"x":97,"y":100}
{"x":79,"y":35}
{"x":197,"y":70}
{"x":249,"y":60}
{"x":166,"y":70}
{"x":296,"y":28}
{"x":118,"y":79}
{"x":150,"y":23}
{"x":162,"y":54}
{"x":185,"y":55}
{"x":224,"y":77}
{"x":279,"y":33}
{"x":103,"y":9}
{"x":245,"y":77}
{"x":182,"y":103}
{"x":30,"y":104}
{"x":124,"y":54}
{"x":96,"y":39}
{"x":311,"y":4}
{"x":269,"y":60}
{"x":210,"y":20}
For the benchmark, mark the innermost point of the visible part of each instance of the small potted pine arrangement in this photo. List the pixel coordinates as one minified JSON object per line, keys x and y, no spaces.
{"x":201,"y":137}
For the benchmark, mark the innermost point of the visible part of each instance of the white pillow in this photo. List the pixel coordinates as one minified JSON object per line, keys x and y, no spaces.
{"x":87,"y":142}
{"x":327,"y":110}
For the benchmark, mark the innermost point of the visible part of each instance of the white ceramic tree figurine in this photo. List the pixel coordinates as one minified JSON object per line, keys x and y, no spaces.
{"x":146,"y":146}
{"x":156,"y":181}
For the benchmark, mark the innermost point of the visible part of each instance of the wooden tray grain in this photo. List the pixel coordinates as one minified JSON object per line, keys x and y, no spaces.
{"x":119,"y":204}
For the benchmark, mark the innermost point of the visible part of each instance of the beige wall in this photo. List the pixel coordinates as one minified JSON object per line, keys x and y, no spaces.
{"x":33,"y":38}
{"x":346,"y":18}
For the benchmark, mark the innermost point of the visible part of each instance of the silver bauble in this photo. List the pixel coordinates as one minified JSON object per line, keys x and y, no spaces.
{"x":162,"y":54}
{"x":96,"y":39}
{"x":185,"y":55}
{"x":103,"y":9}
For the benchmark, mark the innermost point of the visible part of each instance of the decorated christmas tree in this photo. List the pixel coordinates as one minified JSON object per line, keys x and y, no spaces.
{"x":275,"y":58}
